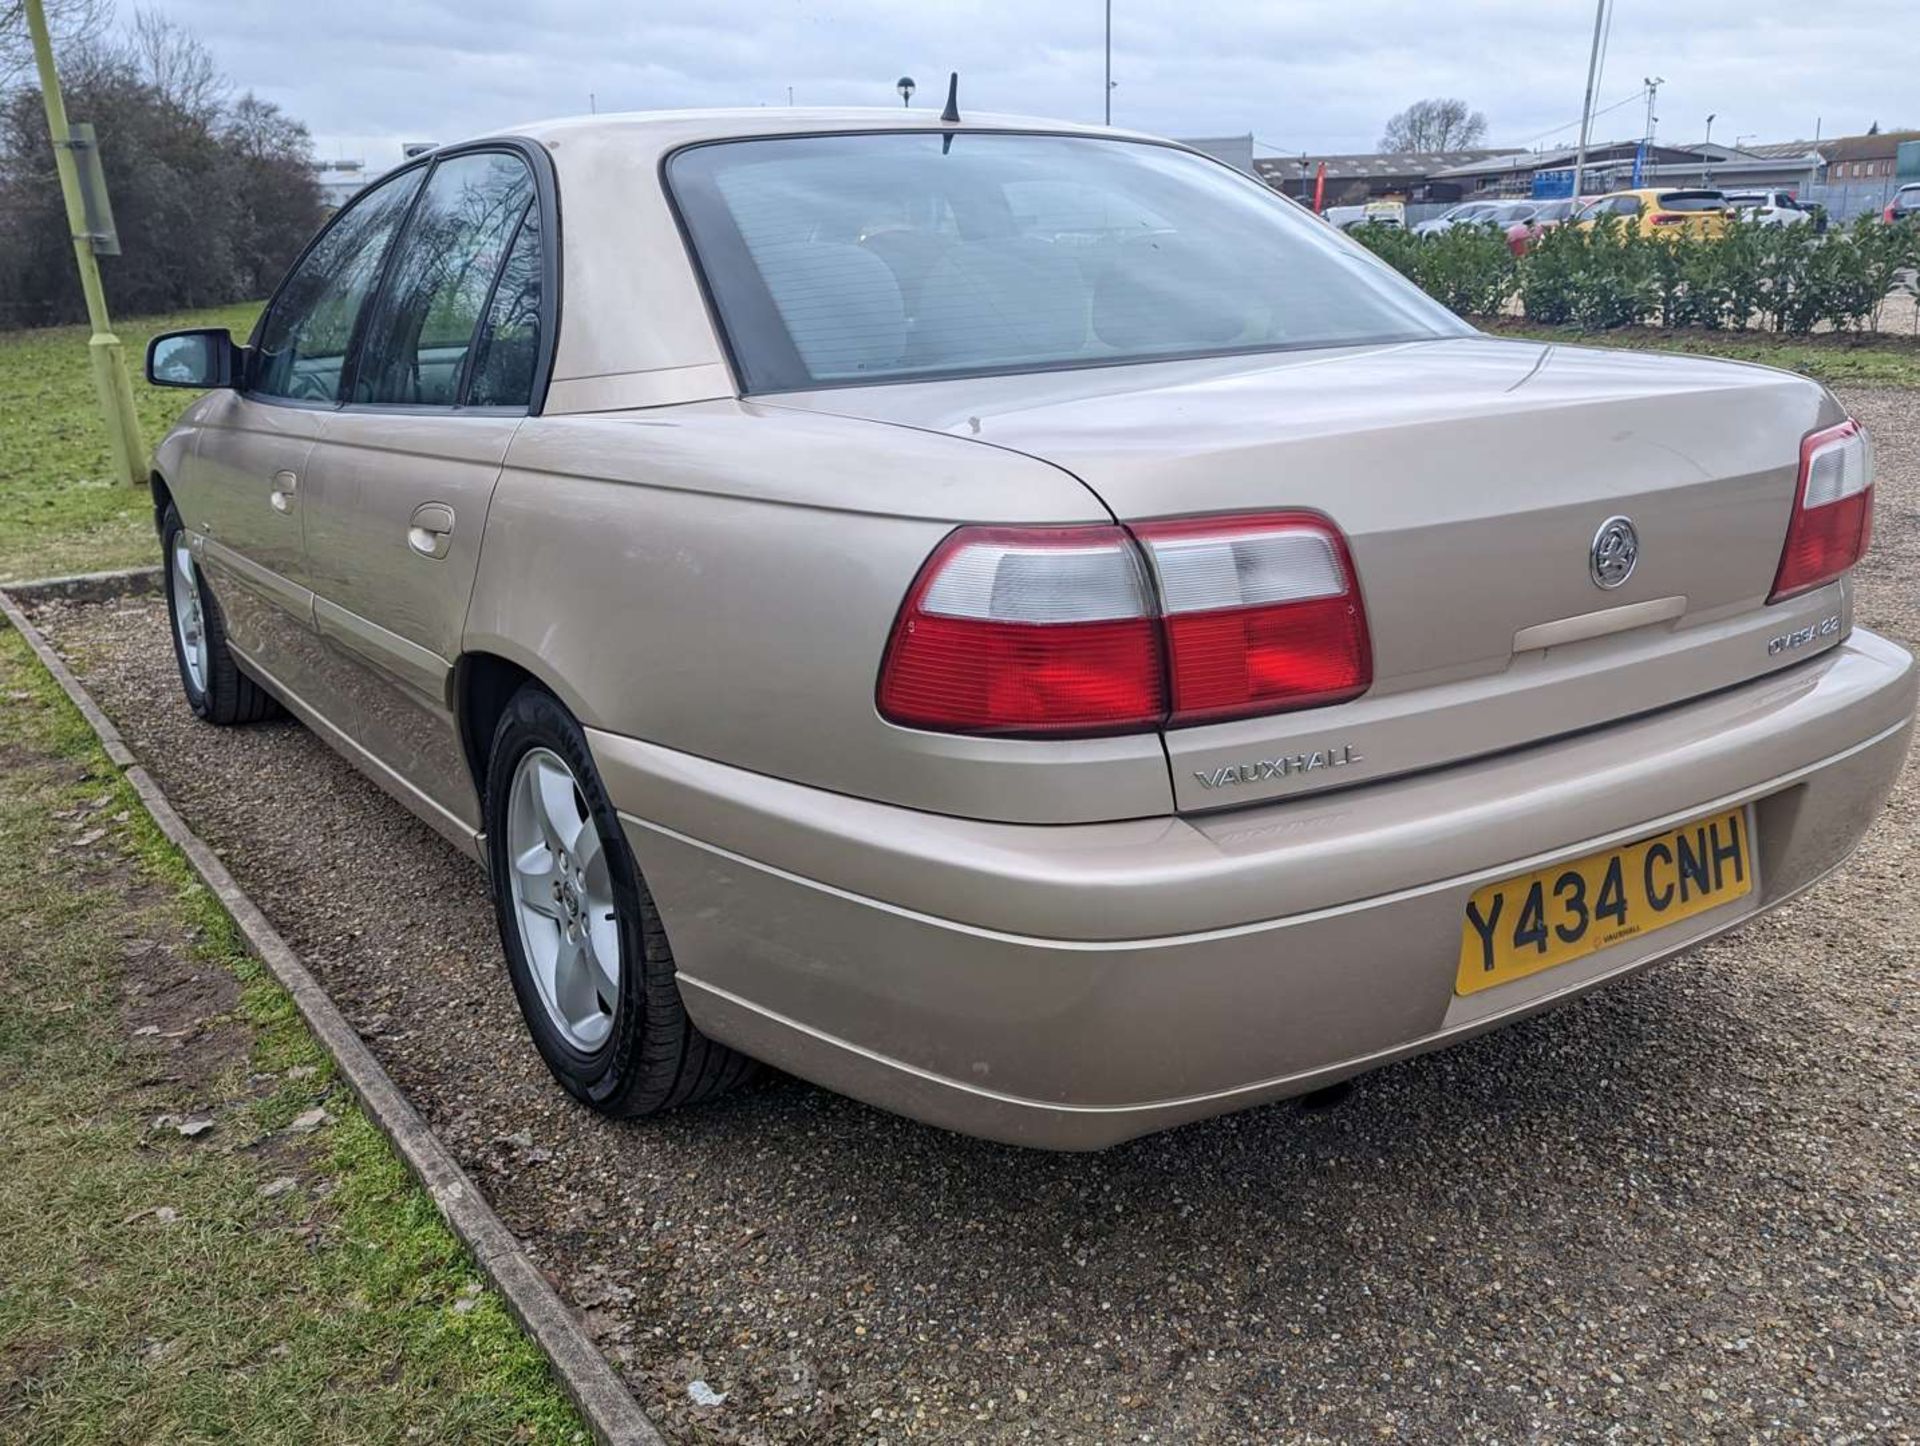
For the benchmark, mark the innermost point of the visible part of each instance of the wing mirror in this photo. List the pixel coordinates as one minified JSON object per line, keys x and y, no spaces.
{"x":200,"y":359}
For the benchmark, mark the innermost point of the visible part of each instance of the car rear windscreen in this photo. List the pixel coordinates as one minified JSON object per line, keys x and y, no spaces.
{"x":1692,"y":201}
{"x":883,"y":256}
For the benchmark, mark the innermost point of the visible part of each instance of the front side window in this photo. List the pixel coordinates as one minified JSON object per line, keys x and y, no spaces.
{"x":885,"y":257}
{"x":421,"y":329}
{"x":304,"y":338}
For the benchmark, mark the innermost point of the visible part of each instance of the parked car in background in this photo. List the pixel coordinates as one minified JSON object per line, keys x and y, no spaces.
{"x":1769,"y":208}
{"x":1455,"y":216}
{"x":1655,"y":212}
{"x":1546,"y":215}
{"x":1508,"y":213}
{"x":1904,"y":206}
{"x":1391,"y":214}
{"x":1013,"y":622}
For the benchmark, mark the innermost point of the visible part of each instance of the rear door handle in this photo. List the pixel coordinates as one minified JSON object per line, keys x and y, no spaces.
{"x":285,"y":485}
{"x":431,"y":532}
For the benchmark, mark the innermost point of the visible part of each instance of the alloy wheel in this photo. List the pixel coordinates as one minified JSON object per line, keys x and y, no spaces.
{"x":563,"y":899}
{"x":189,"y":622}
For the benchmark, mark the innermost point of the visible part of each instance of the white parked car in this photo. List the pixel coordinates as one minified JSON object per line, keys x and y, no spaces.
{"x":1459,"y":215}
{"x":1392,"y":214}
{"x":1497,"y":214}
{"x":1769,"y":208}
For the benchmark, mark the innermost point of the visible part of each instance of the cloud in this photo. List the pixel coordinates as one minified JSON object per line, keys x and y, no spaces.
{"x":1324,"y":76}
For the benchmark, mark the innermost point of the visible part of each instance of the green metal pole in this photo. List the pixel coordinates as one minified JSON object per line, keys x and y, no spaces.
{"x":109,"y":360}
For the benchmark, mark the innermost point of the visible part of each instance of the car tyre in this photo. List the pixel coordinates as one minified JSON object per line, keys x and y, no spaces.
{"x":216,"y":689}
{"x":567,"y":894}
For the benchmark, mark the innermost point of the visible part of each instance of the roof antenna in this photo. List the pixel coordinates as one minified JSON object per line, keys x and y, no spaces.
{"x":951,"y":115}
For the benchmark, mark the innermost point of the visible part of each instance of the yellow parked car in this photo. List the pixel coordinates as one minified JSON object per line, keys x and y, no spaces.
{"x":1654,"y":212}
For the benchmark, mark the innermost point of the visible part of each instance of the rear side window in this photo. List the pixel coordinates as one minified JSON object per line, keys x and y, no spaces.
{"x":420,"y":333}
{"x":306,"y":333}
{"x":1693,"y":201}
{"x":507,"y":350}
{"x":878,"y":256}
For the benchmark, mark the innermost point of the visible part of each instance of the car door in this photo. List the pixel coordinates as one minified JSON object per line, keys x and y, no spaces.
{"x":396,"y":492}
{"x":240,"y":490}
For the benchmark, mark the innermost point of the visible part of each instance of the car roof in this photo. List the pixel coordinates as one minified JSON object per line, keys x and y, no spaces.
{"x":660,"y":131}
{"x":1643,"y":192}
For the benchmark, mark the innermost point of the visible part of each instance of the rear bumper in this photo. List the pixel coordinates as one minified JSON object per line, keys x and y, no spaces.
{"x":1072,"y":986}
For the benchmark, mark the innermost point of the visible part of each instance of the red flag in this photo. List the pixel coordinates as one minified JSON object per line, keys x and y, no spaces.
{"x":1319,"y":187}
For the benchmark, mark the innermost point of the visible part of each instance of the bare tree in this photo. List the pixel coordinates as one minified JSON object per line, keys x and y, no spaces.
{"x":259,"y":130}
{"x":213,"y":197}
{"x":174,"y":62}
{"x":1440,"y":124}
{"x":69,"y":20}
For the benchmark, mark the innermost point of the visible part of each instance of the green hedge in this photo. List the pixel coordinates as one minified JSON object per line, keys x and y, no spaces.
{"x":1781,"y":278}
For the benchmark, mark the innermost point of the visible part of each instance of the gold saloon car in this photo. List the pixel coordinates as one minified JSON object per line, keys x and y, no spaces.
{"x":1013,"y":622}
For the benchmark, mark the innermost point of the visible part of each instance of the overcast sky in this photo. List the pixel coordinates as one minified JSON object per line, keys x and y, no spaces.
{"x":1309,"y":75}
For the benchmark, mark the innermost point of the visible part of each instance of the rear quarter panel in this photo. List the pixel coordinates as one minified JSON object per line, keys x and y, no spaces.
{"x":721,"y":579}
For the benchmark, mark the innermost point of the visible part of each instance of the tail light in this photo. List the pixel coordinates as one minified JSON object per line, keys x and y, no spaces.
{"x":1668,"y":218}
{"x":1262,"y":614}
{"x":1091,"y":630}
{"x":1832,"y":510}
{"x":1027,"y":630}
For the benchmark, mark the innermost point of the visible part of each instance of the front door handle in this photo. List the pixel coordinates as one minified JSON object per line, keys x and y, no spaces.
{"x":285,"y":484}
{"x":431,"y":532}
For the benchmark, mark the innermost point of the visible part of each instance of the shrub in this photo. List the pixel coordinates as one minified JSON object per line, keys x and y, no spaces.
{"x":1400,"y":249}
{"x":1547,"y":276}
{"x":1615,"y":287}
{"x":1787,"y":278}
{"x":1890,"y":258}
{"x":1466,"y":268}
{"x":1732,"y":275}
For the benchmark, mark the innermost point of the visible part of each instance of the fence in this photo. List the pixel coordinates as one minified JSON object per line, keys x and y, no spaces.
{"x":1845,"y":200}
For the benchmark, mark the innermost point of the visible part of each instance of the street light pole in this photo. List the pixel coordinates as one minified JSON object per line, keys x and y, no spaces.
{"x":108,"y":359}
{"x":1106,"y":90}
{"x":1586,"y":108}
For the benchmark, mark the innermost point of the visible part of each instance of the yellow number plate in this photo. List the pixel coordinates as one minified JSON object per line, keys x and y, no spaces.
{"x":1522,"y":925}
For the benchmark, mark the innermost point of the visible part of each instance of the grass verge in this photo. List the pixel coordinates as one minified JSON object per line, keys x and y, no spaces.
{"x":1838,"y":359}
{"x":59,"y":511}
{"x":201,"y":1236}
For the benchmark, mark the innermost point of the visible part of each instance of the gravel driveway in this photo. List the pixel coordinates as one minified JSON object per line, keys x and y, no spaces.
{"x":1686,"y":1206}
